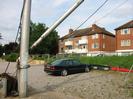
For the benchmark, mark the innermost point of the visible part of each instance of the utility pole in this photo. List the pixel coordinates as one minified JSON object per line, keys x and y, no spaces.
{"x":57,"y":23}
{"x":24,"y":50}
{"x":24,"y":44}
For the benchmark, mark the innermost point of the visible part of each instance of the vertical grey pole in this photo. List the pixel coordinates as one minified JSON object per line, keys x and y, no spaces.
{"x":24,"y":54}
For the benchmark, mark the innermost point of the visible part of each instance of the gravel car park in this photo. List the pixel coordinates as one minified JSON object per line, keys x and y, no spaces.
{"x":93,"y":85}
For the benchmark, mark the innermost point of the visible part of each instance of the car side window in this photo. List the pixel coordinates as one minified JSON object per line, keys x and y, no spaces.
{"x":65,"y":63}
{"x":70,"y":63}
{"x":76,"y":63}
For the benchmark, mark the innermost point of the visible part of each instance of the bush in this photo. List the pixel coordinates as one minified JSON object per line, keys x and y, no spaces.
{"x":11,"y":57}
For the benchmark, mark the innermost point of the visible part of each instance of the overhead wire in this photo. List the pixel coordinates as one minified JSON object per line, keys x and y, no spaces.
{"x":72,"y":35}
{"x":20,"y":22}
{"x":18,"y":31}
{"x":92,"y":14}
{"x":118,"y":6}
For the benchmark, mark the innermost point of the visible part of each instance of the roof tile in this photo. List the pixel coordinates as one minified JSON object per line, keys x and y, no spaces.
{"x":88,"y":31}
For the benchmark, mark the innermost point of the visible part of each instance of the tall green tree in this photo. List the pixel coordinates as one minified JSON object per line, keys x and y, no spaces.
{"x":11,"y":48}
{"x":0,"y":36}
{"x":1,"y":50}
{"x":49,"y":45}
{"x":1,"y":47}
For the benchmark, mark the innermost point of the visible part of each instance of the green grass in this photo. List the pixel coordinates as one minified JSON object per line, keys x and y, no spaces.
{"x":121,"y":61}
{"x":114,"y":61}
{"x":10,"y":57}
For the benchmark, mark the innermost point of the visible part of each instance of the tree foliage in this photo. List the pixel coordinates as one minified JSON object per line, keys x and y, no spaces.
{"x":0,"y":36}
{"x":1,"y":47}
{"x":49,"y":45}
{"x":11,"y":48}
{"x":1,"y":50}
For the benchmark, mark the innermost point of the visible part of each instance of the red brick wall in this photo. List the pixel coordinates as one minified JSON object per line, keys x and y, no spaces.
{"x":120,"y":37}
{"x":61,"y":45}
{"x":75,"y":40}
{"x":90,"y":42}
{"x":109,"y":42}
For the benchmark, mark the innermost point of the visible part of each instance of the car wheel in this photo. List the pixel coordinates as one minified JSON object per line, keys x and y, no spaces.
{"x":87,"y":69}
{"x":64,"y":73}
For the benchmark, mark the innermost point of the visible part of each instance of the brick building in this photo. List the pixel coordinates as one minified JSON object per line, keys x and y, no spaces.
{"x":124,"y":38}
{"x":92,"y":41}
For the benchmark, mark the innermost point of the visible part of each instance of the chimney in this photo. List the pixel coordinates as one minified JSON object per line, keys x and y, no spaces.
{"x":103,"y":28}
{"x":70,"y":31}
{"x":94,"y":27}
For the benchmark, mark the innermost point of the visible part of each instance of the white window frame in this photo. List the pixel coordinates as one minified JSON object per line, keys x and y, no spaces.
{"x":103,"y":45}
{"x":125,"y":33}
{"x":103,"y":36}
{"x":125,"y":43}
{"x":84,"y":46}
{"x":95,"y":36}
{"x":83,"y":37}
{"x":95,"y":45}
{"x":69,"y":47}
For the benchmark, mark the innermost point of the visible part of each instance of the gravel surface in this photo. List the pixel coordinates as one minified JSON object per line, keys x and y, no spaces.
{"x":92,"y":85}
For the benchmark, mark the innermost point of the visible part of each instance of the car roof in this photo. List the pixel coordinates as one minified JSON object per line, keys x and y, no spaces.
{"x":67,"y":59}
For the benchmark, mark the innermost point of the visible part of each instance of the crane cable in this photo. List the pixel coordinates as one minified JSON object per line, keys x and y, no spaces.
{"x":92,"y":14}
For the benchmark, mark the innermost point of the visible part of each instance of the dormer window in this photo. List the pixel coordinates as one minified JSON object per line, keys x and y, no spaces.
{"x":125,"y":31}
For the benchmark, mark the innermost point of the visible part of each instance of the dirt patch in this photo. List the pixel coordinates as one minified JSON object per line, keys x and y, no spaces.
{"x":36,"y":62}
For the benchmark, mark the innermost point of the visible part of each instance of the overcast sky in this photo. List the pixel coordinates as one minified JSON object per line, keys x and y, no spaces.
{"x":48,"y":11}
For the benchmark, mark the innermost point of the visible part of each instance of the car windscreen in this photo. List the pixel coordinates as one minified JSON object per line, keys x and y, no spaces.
{"x":57,"y":62}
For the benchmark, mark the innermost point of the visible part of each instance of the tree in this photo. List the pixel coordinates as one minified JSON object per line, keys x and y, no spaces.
{"x":0,"y":36}
{"x":1,"y":50}
{"x":1,"y":47}
{"x":11,"y":48}
{"x":49,"y":45}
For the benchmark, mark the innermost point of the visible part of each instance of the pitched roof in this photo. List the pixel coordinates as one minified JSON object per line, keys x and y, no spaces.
{"x":87,"y":31}
{"x":126,"y":25}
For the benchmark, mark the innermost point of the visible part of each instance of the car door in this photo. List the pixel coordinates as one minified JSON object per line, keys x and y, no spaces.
{"x":70,"y":66}
{"x":77,"y":66}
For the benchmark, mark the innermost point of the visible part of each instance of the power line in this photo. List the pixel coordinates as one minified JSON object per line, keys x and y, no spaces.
{"x":118,"y":6}
{"x":20,"y":20}
{"x":92,"y":14}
